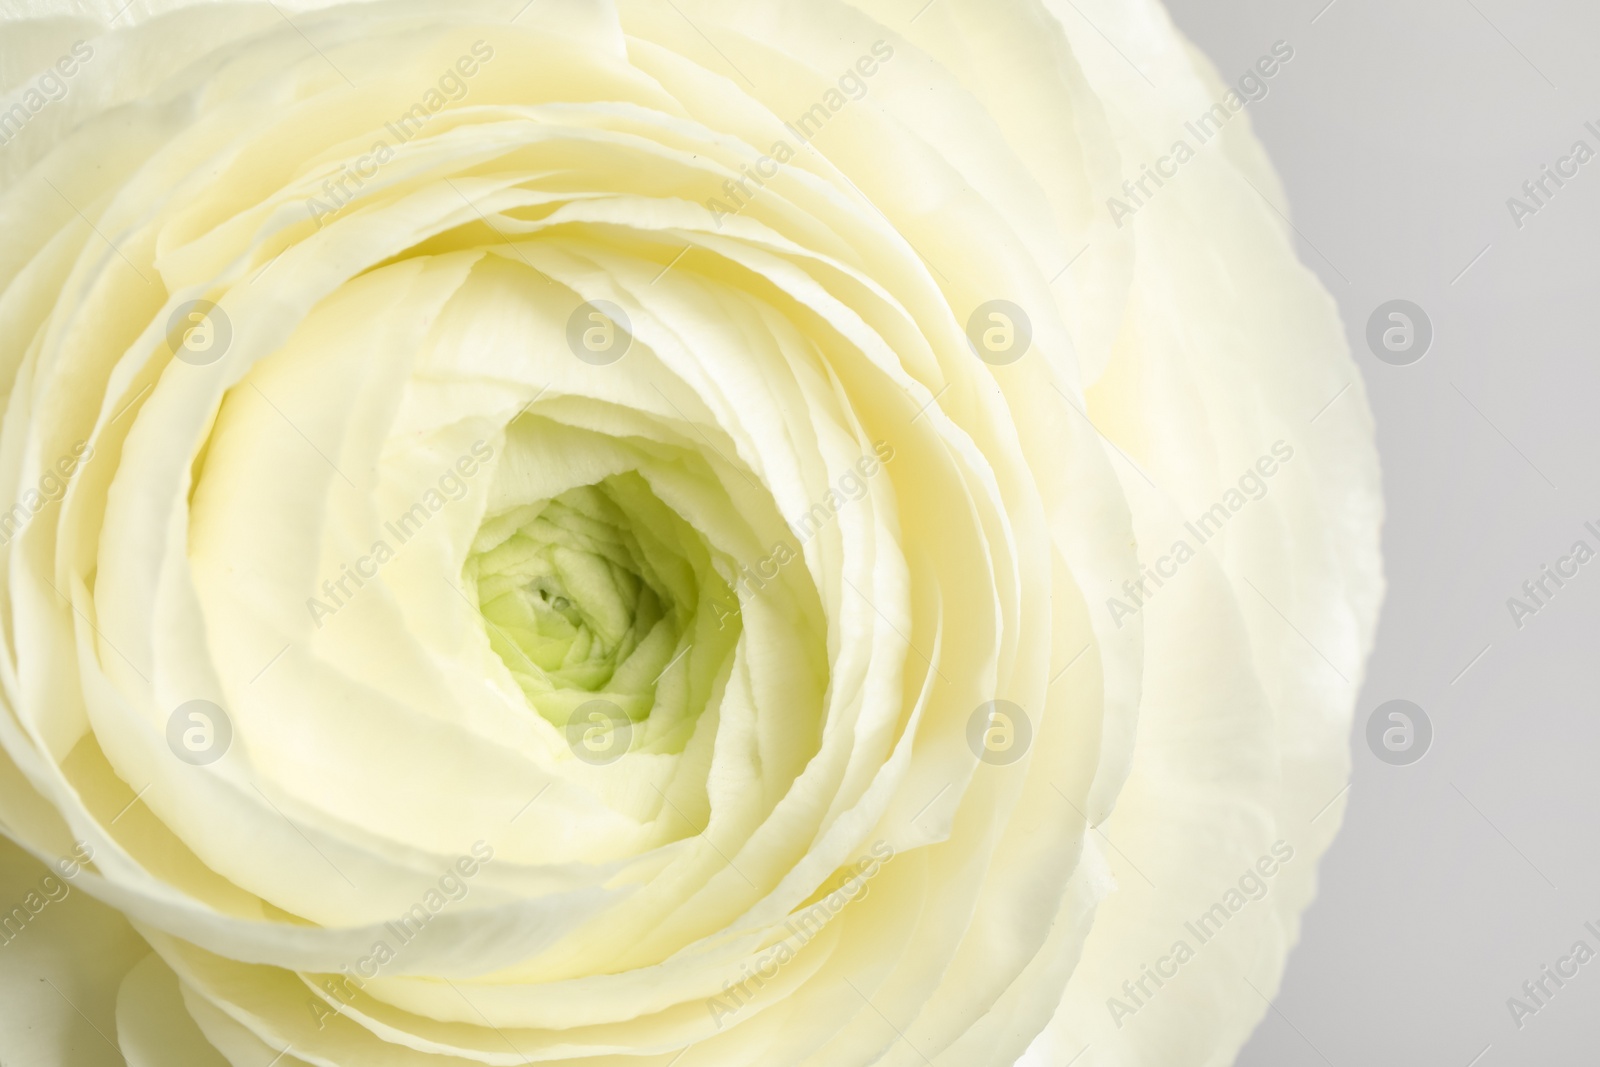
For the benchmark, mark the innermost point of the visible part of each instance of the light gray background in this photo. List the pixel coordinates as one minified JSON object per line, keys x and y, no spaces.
{"x":1401,"y":128}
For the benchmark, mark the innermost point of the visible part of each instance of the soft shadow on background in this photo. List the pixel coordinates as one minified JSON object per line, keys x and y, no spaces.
{"x":1401,"y":131}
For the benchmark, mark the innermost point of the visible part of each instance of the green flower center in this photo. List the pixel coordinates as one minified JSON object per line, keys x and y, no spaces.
{"x":604,"y":592}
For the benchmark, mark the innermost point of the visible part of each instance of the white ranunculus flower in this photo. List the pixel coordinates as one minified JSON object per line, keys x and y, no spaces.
{"x":657,"y":532}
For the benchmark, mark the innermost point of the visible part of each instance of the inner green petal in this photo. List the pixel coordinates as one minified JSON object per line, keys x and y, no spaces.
{"x":604,"y":591}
